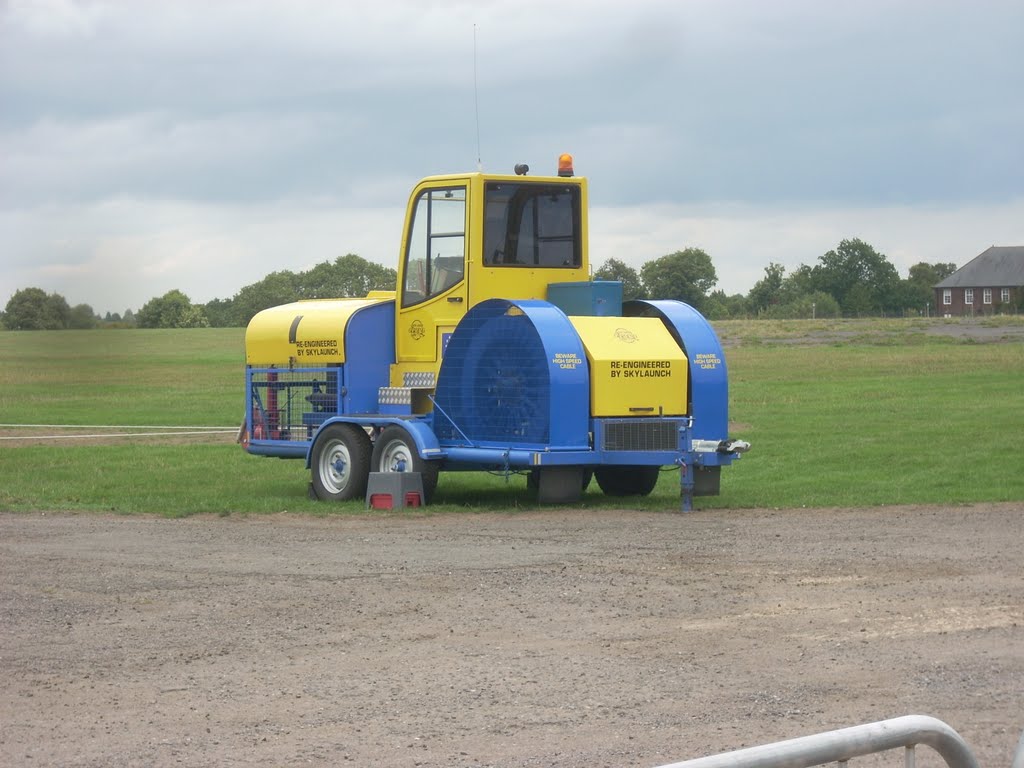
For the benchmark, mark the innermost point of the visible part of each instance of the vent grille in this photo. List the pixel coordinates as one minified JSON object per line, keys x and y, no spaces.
{"x":640,"y":435}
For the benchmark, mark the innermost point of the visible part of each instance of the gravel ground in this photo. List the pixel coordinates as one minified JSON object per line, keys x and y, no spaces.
{"x":540,"y":639}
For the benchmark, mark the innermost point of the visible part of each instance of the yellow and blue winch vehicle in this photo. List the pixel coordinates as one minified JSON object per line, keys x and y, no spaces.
{"x":495,"y":352}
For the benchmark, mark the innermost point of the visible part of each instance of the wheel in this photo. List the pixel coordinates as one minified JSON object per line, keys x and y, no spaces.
{"x":558,"y":485}
{"x":340,"y":464}
{"x":395,"y":451}
{"x":627,"y":480}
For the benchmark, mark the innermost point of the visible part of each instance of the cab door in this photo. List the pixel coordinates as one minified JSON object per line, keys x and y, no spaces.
{"x":433,"y":279}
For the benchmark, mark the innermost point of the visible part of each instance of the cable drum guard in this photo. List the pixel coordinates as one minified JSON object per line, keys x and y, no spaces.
{"x":514,"y":374}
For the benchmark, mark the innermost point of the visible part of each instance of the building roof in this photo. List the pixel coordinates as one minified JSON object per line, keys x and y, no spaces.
{"x":996,"y":267}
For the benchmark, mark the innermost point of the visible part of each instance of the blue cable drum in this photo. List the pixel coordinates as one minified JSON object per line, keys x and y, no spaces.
{"x":514,"y":374}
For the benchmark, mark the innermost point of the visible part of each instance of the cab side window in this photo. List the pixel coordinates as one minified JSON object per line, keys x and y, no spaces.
{"x":435,"y":258}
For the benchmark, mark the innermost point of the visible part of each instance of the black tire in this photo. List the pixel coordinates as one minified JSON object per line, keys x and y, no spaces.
{"x":340,"y":463}
{"x":559,"y":485}
{"x":627,"y":480}
{"x":394,"y":450}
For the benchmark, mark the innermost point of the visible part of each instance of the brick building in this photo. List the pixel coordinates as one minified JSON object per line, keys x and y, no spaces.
{"x":991,"y":282}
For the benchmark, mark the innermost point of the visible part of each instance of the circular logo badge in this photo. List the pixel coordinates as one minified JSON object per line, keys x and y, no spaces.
{"x":416,"y":330}
{"x":626,"y":335}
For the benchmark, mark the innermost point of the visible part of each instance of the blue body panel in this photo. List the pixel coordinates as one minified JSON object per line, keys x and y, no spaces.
{"x":369,"y":353}
{"x":709,"y":380}
{"x":278,"y":448}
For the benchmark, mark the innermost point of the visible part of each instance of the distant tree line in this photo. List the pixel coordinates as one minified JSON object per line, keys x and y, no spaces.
{"x":349,"y":275}
{"x":346,"y":276}
{"x":851,"y":280}
{"x":33,"y":309}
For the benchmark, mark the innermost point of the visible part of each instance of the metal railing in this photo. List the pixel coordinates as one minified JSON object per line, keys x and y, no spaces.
{"x":858,"y":741}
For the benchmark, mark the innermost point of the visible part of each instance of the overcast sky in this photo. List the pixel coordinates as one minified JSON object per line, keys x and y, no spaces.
{"x":146,"y":146}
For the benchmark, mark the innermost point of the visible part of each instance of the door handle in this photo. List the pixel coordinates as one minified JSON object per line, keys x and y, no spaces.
{"x":455,"y":299}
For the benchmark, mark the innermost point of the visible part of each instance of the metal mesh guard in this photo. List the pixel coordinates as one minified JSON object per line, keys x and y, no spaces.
{"x":500,"y":392}
{"x":640,"y":435}
{"x":286,"y":403}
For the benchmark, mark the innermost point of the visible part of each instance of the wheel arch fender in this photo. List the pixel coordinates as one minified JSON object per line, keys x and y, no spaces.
{"x":419,"y":430}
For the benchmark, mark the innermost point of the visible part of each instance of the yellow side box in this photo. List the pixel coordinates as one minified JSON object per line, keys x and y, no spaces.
{"x":304,"y":333}
{"x":636,"y":368}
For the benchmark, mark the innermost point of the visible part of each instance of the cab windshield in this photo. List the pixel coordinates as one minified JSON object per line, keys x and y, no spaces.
{"x":532,"y":225}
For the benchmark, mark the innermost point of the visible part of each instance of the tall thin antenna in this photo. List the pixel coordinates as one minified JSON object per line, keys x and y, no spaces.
{"x":476,"y":105}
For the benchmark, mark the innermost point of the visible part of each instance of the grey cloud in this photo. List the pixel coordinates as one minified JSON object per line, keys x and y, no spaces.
{"x":750,"y":101}
{"x":263,"y":104}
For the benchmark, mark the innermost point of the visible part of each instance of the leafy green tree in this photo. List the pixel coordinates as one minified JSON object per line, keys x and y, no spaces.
{"x":930,"y":274}
{"x":796,"y":285}
{"x":686,"y":275}
{"x":26,"y":310}
{"x":805,"y":306}
{"x":768,"y":290}
{"x":59,"y":309}
{"x":860,"y":278}
{"x":349,"y":276}
{"x":914,"y":298}
{"x":32,"y":309}
{"x":82,"y":317}
{"x":273,"y":290}
{"x":916,"y":291}
{"x":859,"y":301}
{"x":719,"y":306}
{"x":792,"y":296}
{"x":816,"y":304}
{"x":220,"y":313}
{"x":172,"y":310}
{"x":613,"y":269}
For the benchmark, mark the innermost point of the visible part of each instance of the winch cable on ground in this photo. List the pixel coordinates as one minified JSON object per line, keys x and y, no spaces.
{"x":165,"y":431}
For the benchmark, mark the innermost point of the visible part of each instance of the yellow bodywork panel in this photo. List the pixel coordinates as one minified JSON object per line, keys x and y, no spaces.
{"x":636,"y":367}
{"x":304,"y":333}
{"x":517,"y":283}
{"x":426,"y":314}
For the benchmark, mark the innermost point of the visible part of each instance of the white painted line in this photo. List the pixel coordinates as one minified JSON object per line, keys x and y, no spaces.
{"x":121,"y":434}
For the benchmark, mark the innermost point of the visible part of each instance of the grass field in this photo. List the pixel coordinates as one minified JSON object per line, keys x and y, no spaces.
{"x":840,"y":413}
